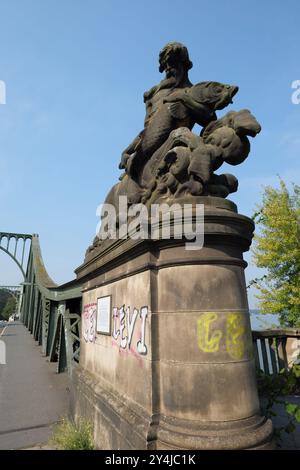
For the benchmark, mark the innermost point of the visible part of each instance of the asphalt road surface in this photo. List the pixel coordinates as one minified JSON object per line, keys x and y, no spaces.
{"x":32,"y":396}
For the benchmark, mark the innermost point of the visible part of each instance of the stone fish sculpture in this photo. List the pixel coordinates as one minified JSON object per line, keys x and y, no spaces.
{"x":166,"y":160}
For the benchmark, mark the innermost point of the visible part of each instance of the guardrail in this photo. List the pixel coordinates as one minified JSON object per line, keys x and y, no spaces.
{"x":276,"y":349}
{"x":51,"y":313}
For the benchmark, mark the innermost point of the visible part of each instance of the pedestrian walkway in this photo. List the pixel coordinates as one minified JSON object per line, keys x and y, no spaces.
{"x":32,"y":396}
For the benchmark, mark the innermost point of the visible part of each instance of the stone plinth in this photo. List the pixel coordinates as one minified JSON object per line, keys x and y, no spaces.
{"x":177,"y":370}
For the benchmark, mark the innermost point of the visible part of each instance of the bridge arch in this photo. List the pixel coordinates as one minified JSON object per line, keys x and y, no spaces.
{"x":12,"y":248}
{"x":51,"y":313}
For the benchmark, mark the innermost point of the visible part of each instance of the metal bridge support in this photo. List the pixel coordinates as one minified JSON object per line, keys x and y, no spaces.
{"x":14,"y":245}
{"x":65,"y":346}
{"x":45,"y":307}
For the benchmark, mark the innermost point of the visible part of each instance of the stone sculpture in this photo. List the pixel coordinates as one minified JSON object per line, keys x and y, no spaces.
{"x":177,"y":369}
{"x":167,"y":161}
{"x":166,"y":158}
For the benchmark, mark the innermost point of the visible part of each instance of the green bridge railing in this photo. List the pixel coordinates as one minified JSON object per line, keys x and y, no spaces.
{"x":51,"y":313}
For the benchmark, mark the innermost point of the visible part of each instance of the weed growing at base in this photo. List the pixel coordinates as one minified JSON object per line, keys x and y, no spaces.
{"x":73,"y":436}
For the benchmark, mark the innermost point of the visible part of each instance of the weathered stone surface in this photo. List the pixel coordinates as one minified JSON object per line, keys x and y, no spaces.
{"x":166,"y":162}
{"x":195,"y":386}
{"x":177,"y":369}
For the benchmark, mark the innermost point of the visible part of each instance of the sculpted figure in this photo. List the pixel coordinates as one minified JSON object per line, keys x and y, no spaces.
{"x":190,"y":161}
{"x":166,"y":160}
{"x":172,"y":104}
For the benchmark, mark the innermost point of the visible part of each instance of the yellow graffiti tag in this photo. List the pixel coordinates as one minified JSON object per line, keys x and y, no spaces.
{"x":235,"y":335}
{"x":208,"y":342}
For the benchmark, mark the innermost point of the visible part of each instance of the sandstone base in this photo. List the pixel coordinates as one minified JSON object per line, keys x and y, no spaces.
{"x":176,"y":370}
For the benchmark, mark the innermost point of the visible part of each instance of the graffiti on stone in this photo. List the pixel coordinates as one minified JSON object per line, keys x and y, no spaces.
{"x":234,"y":334}
{"x":208,"y":340}
{"x":125,"y":323}
{"x":89,"y":322}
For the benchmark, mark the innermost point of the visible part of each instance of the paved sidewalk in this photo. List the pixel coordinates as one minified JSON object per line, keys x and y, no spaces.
{"x":32,"y":396}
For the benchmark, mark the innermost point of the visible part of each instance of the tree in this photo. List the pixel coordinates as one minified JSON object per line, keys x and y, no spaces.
{"x":277,"y":249}
{"x":10,"y":308}
{"x":5,"y":294}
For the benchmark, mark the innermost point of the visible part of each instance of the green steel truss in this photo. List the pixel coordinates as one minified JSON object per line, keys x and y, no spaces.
{"x":51,"y":313}
{"x":14,"y":245}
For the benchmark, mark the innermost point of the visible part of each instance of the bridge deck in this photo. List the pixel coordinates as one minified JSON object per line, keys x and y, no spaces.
{"x":32,"y":395}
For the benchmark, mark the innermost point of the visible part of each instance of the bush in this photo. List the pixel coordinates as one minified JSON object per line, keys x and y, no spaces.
{"x":73,"y":436}
{"x":276,"y":249}
{"x":8,"y":304}
{"x":273,"y":388}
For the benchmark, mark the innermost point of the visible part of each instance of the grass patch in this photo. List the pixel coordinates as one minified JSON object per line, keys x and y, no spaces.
{"x":73,"y":436}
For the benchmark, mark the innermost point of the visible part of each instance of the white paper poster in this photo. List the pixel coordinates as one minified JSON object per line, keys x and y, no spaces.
{"x":104,"y":314}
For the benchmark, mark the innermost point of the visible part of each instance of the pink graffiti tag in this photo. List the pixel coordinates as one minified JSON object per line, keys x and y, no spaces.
{"x":126,"y":352}
{"x":89,"y":322}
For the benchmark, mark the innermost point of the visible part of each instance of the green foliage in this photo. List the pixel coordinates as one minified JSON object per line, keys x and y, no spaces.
{"x":293,"y":410}
{"x":273,"y":388}
{"x":7,"y":304}
{"x":277,"y":249}
{"x":71,"y":436}
{"x":4,"y":296}
{"x":9,"y":309}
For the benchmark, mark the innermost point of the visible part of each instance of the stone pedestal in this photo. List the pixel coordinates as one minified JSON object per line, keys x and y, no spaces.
{"x":177,"y":370}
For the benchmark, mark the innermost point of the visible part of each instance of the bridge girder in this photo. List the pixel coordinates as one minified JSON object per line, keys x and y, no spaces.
{"x":43,"y":303}
{"x":10,"y":242}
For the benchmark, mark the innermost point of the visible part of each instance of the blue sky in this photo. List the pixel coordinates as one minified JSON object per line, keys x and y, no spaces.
{"x":75,"y":72}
